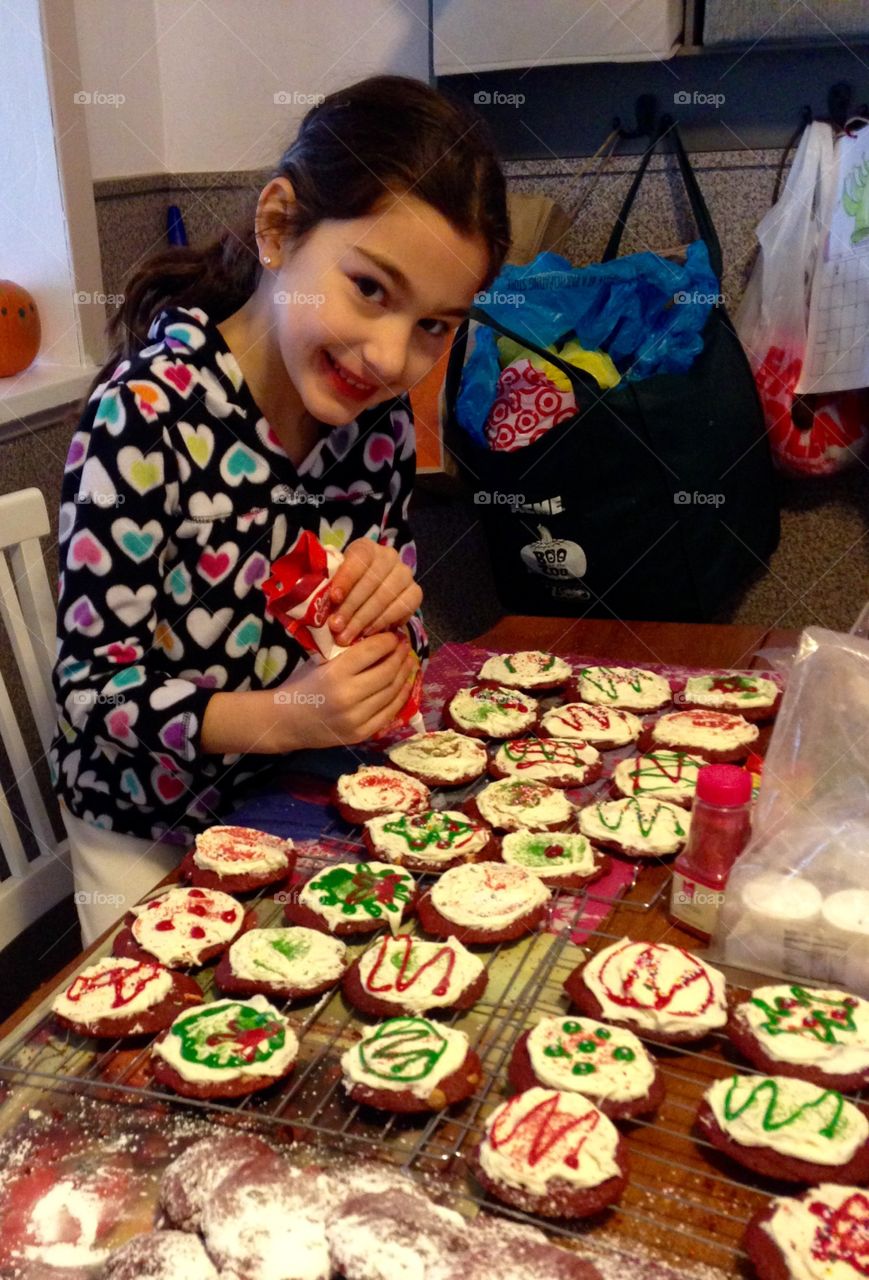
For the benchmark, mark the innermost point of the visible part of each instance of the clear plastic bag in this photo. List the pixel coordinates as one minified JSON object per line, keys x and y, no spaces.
{"x":797,"y":903}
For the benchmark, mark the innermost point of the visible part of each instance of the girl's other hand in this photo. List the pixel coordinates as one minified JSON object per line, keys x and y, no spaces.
{"x":373,"y":591}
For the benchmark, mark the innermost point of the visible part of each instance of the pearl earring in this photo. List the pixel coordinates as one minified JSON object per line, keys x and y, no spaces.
{"x":266,"y":261}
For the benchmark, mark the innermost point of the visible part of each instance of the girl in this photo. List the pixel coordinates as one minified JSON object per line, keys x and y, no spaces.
{"x":257,"y":388}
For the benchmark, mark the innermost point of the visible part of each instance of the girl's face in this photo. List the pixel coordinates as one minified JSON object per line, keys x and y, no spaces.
{"x":363,"y":307}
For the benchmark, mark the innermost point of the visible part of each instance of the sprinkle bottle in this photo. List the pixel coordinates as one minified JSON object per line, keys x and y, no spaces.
{"x":720,"y":827}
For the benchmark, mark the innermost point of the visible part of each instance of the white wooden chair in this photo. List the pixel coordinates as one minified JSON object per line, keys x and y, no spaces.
{"x":27,"y":610}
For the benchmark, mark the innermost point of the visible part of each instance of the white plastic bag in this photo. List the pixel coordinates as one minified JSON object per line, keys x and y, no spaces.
{"x":797,"y":903}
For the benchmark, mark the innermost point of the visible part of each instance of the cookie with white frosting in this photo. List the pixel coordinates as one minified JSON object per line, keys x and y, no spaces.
{"x":182,"y":928}
{"x":607,"y":1064}
{"x":376,"y":789}
{"x":430,"y":842}
{"x":484,"y":902}
{"x":410,"y":975}
{"x":237,"y":859}
{"x":513,"y":805}
{"x":818,"y":1035}
{"x":442,"y":758}
{"x":527,"y":669}
{"x":786,"y":1128}
{"x":410,"y":1064}
{"x":290,"y":964}
{"x":662,"y":775}
{"x":755,"y":697}
{"x":627,"y":688}
{"x":551,"y":1153}
{"x":636,"y":826}
{"x":562,"y":762}
{"x":561,"y":859}
{"x":821,"y":1235}
{"x":118,"y":997}
{"x":603,"y":727}
{"x":353,"y":897}
{"x":491,"y":711}
{"x":718,"y":737}
{"x":225,"y":1049}
{"x":656,"y":990}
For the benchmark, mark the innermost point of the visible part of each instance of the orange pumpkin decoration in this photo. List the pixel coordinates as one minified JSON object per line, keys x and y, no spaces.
{"x":20,"y":329}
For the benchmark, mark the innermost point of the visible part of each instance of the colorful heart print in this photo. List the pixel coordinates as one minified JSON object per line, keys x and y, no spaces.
{"x":142,"y":472}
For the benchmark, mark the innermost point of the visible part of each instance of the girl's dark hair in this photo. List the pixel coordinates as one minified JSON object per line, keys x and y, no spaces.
{"x":381,"y":135}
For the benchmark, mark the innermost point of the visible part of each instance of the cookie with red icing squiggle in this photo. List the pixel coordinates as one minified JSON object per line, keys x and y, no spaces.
{"x":662,"y":775}
{"x":560,"y":762}
{"x":603,"y":727}
{"x":718,"y":737}
{"x":118,"y":996}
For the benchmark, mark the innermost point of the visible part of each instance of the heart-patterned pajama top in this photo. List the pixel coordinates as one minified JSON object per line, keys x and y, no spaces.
{"x":176,"y":498}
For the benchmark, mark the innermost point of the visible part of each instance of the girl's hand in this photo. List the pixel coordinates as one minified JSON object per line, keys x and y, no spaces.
{"x":348,"y":699}
{"x":373,"y":591}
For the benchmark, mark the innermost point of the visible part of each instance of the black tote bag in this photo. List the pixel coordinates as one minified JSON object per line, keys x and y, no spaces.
{"x":655,"y":501}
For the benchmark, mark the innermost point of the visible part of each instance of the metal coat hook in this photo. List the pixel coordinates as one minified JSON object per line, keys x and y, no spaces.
{"x":646,"y":111}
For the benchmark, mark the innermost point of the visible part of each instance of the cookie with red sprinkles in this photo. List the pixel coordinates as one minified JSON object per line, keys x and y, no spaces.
{"x":374,"y":790}
{"x":484,"y":902}
{"x":823,"y":1233}
{"x":718,"y":737}
{"x":237,"y":860}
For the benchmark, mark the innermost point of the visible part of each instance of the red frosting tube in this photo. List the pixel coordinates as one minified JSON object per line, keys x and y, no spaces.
{"x":297,"y":595}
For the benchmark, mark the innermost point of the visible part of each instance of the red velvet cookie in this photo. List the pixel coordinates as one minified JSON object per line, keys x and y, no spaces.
{"x":820,"y":1036}
{"x":551,"y":1153}
{"x":636,"y":826}
{"x":237,"y":860}
{"x":626,"y":688}
{"x":182,"y":928}
{"x":559,"y":762}
{"x":353,"y":897}
{"x":189,"y":1182}
{"x":823,"y":1232}
{"x":376,"y":789}
{"x":411,"y":1064}
{"x":718,"y":737}
{"x":527,"y":669}
{"x":659,"y":775}
{"x":430,"y":842}
{"x":755,"y":697}
{"x":658,"y":991}
{"x":561,"y":859}
{"x":787,"y":1129}
{"x":486,"y":711}
{"x":116,"y":997}
{"x":225,"y":1049}
{"x":440,"y":759}
{"x":160,"y":1255}
{"x":602,"y":727}
{"x":408,"y":975}
{"x":513,"y":805}
{"x":500,"y":1247}
{"x":393,"y":1234}
{"x":288,"y":964}
{"x":608,"y":1065}
{"x":484,"y":902}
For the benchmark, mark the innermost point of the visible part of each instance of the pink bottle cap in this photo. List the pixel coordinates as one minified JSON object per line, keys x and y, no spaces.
{"x":724,"y":784}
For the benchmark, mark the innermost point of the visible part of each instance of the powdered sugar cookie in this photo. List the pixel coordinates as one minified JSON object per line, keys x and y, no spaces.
{"x":718,"y":737}
{"x":562,"y":762}
{"x":636,"y":827}
{"x":353,"y":897}
{"x":183,"y":927}
{"x":485,"y":711}
{"x":430,"y":842}
{"x":122,"y":997}
{"x":823,"y":1233}
{"x":375,"y":789}
{"x":551,"y":1153}
{"x":237,"y":859}
{"x":527,"y":669}
{"x":754,"y":697}
{"x":609,"y":1065}
{"x":189,"y":1182}
{"x":440,"y":759}
{"x":411,"y":1064}
{"x":289,"y":964}
{"x":408,"y":975}
{"x":160,"y":1255}
{"x":629,"y":688}
{"x":225,"y":1049}
{"x":786,"y":1128}
{"x":603,"y":727}
{"x":484,"y":902}
{"x":656,"y":990}
{"x":821,"y":1036}
{"x":662,"y":775}
{"x":393,"y":1235}
{"x":512,"y":805}
{"x":561,"y":859}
